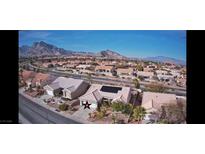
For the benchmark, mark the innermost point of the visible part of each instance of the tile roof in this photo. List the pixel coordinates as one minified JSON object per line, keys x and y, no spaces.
{"x":40,"y":77}
{"x":67,"y":83}
{"x":123,"y":94}
{"x":142,"y":73}
{"x":92,"y":96}
{"x":104,"y":67}
{"x":155,"y":100}
{"x":125,"y":70}
{"x":27,"y":74}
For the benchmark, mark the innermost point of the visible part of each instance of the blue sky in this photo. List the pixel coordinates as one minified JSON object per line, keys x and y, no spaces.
{"x":133,"y":43}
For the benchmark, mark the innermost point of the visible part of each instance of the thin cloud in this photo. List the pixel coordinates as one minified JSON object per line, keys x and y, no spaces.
{"x":34,"y":34}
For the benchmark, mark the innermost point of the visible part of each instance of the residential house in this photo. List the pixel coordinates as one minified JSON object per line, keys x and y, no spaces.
{"x":161,"y":72}
{"x":147,"y":69}
{"x":175,"y":73}
{"x":67,"y":87}
{"x":145,"y":74}
{"x":25,"y":76}
{"x":125,"y":72}
{"x":47,"y":64}
{"x":165,"y":77}
{"x":69,"y":66}
{"x":84,"y":67}
{"x":104,"y":70}
{"x":96,"y":93}
{"x":38,"y":79}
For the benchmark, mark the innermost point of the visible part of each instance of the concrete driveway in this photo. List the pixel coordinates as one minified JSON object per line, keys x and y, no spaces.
{"x":83,"y":113}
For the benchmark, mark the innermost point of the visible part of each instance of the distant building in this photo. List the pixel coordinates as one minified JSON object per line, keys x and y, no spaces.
{"x":83,"y":67}
{"x":147,"y":69}
{"x":165,"y":77}
{"x":104,"y":70}
{"x":125,"y":72}
{"x":69,"y":66}
{"x":145,"y":74}
{"x":161,"y":72}
{"x":175,"y":73}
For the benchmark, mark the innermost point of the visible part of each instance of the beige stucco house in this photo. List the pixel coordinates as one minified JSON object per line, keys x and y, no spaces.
{"x":68,"y":87}
{"x":97,"y":92}
{"x":104,"y":70}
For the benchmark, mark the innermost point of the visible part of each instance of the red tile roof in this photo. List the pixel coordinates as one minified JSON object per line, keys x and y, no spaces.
{"x":27,"y":74}
{"x":40,"y":77}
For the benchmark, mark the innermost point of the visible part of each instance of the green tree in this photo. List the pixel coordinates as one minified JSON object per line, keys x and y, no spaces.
{"x":136,"y":83}
{"x":117,"y":106}
{"x":139,"y":67}
{"x":139,"y":113}
{"x":127,"y":109}
{"x":124,"y":108}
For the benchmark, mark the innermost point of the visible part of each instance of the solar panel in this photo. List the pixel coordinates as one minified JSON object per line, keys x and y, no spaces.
{"x":110,"y":89}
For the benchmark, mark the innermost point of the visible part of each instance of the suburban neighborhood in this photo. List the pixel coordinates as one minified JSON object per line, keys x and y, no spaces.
{"x":101,"y":89}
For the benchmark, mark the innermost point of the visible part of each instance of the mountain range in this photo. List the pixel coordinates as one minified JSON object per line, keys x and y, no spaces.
{"x":44,"y":49}
{"x":164,"y":59}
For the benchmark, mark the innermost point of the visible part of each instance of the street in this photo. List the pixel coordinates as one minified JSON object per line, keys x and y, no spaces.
{"x":37,"y":114}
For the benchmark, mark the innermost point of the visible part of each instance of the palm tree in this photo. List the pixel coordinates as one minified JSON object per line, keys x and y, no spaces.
{"x":139,"y":113}
{"x":136,"y":83}
{"x":89,"y":77}
{"x":139,"y":67}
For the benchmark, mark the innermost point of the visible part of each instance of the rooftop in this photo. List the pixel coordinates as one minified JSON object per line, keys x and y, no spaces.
{"x":125,"y":70}
{"x":104,"y":67}
{"x":109,"y":92}
{"x":40,"y":77}
{"x":155,"y":100}
{"x":67,"y":83}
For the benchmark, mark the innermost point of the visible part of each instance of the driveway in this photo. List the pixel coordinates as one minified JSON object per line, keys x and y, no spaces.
{"x":83,"y":113}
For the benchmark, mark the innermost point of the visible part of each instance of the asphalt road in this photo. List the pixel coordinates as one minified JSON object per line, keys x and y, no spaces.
{"x":37,"y":114}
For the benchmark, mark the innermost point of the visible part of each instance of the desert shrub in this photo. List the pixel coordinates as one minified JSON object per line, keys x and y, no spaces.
{"x":99,"y":115}
{"x":154,"y":87}
{"x":63,"y":107}
{"x":124,"y":108}
{"x":172,"y":113}
{"x":117,"y":106}
{"x":127,"y":109}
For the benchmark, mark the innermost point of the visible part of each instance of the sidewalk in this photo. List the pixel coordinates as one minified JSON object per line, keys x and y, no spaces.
{"x":40,"y":102}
